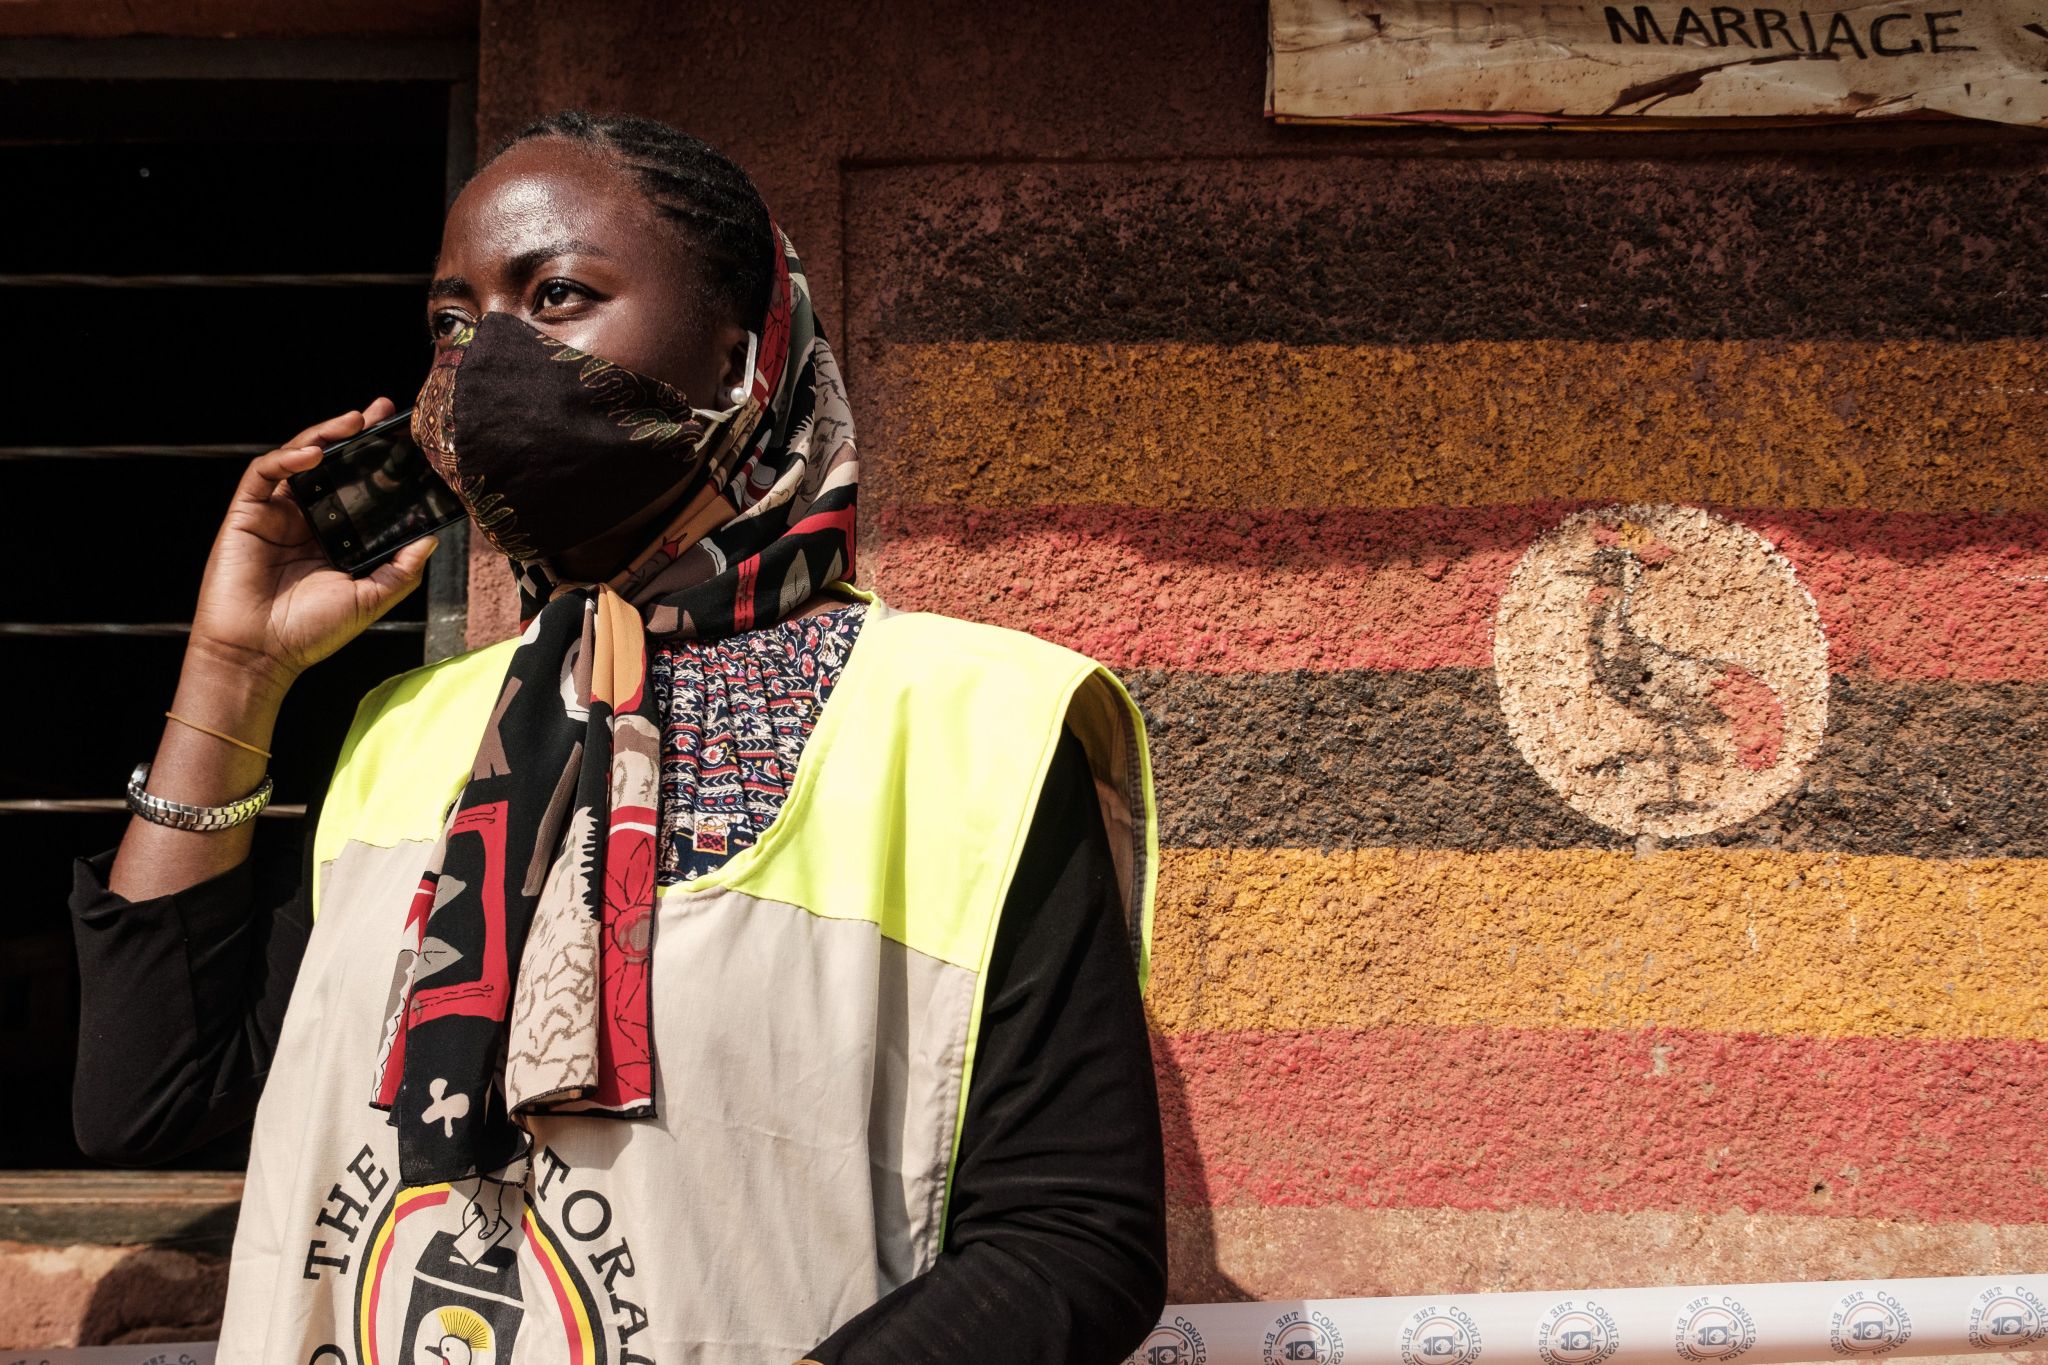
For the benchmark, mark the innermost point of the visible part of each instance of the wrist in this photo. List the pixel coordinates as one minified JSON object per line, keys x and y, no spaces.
{"x":233,"y":680}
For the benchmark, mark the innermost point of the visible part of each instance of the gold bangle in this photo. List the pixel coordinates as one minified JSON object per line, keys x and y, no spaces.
{"x":209,"y":730}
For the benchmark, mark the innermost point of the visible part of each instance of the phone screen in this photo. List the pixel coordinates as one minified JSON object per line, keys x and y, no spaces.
{"x":373,"y":494}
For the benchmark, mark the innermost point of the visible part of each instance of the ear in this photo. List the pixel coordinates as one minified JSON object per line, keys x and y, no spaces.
{"x":732,"y":366}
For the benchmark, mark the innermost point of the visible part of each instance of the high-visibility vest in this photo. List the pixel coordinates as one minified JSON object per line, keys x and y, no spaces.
{"x":816,"y":1002}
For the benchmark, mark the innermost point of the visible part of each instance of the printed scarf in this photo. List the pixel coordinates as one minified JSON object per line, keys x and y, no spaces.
{"x":522,"y":985}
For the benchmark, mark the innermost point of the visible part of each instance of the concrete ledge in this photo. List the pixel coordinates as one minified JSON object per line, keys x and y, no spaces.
{"x":188,"y":1210}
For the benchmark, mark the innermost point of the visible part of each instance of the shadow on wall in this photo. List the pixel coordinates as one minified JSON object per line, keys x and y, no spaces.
{"x":1192,"y":1272}
{"x":153,"y":1295}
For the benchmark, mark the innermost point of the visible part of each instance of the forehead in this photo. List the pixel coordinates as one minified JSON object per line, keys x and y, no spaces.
{"x":551,"y":189}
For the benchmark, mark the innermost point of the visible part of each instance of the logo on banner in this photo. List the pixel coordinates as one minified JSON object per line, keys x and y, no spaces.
{"x":1661,"y":668}
{"x":1869,"y":1324}
{"x":1440,"y":1336}
{"x":1577,"y":1332}
{"x":1714,"y":1327}
{"x":1304,"y":1337}
{"x":2005,"y":1319}
{"x":1178,"y":1342}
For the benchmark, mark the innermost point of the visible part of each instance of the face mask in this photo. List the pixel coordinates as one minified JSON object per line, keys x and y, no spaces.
{"x":549,"y":446}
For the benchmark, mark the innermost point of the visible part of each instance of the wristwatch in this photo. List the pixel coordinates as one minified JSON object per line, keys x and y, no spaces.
{"x":199,"y":819}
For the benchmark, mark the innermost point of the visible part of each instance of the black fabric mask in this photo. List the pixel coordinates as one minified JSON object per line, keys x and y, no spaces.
{"x":549,"y":446}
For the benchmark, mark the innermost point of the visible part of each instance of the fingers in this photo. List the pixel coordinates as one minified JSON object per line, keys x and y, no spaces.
{"x":260,"y":480}
{"x":332,"y":430}
{"x":391,"y":581}
{"x":265,"y":472}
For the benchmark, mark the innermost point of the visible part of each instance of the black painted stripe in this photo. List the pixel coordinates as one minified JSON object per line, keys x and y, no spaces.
{"x":1942,"y":243}
{"x":1424,"y":759}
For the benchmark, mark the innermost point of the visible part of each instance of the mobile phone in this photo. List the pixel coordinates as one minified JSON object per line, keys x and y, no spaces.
{"x":372,"y":495}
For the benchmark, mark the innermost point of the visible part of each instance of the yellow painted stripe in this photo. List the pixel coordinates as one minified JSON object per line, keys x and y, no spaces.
{"x":1911,"y":425}
{"x":1278,"y":1253}
{"x":1720,"y":940}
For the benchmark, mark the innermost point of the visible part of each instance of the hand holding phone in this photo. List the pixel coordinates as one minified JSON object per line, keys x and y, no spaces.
{"x":373,"y":495}
{"x":271,"y":604}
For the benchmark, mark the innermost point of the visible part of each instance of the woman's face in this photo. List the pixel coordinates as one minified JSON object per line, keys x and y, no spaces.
{"x":558,"y":235}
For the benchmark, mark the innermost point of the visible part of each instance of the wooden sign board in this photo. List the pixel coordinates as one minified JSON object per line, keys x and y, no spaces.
{"x":1558,"y":62}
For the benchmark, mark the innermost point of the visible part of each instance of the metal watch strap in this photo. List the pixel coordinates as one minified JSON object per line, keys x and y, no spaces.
{"x":198,"y":819}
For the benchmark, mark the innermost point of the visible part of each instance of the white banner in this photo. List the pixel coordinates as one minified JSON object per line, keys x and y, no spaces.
{"x":1758,"y":1324}
{"x":1685,"y":1325}
{"x":183,"y":1353}
{"x":1570,"y":62}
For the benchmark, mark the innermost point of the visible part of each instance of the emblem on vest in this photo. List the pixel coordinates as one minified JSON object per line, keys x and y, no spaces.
{"x":523,"y":1265}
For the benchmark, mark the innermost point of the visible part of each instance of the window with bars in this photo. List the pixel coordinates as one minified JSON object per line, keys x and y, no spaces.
{"x":209,"y":246}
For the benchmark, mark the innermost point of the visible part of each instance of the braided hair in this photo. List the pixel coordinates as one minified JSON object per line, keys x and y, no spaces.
{"x":695,"y":186}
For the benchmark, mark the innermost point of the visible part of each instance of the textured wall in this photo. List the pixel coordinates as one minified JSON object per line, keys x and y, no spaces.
{"x":1268,"y":419}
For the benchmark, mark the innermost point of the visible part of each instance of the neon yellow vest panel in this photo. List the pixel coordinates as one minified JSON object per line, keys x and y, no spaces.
{"x":815,"y":1009}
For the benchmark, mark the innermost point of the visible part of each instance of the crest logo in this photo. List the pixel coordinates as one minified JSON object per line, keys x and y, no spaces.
{"x":2007,"y":1318}
{"x":1178,"y":1342}
{"x":1713,"y":1327}
{"x":1661,"y":668}
{"x":1868,"y":1324}
{"x":1304,"y":1337}
{"x":1577,"y":1332}
{"x":1440,"y":1336}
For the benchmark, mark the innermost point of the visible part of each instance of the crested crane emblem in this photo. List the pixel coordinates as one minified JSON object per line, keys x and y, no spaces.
{"x":1661,"y":668}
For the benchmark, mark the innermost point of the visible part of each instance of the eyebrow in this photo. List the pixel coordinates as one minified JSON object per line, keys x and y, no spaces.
{"x":525,"y":263}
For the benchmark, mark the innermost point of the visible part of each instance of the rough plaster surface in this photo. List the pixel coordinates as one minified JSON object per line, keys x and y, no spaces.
{"x":1956,"y":597}
{"x":1410,"y":251}
{"x":1501,"y":1118}
{"x":1909,"y":425}
{"x":99,"y":1295}
{"x":1369,"y":758}
{"x":1234,"y":1253}
{"x":1717,"y":941}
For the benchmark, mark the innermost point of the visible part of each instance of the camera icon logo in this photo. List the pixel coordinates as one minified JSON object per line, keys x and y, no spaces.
{"x":2007,"y":1317}
{"x":1577,"y":1332}
{"x":1869,"y":1323}
{"x":1304,"y":1337}
{"x":1178,"y":1342}
{"x":1446,"y":1336}
{"x":1713,"y":1328}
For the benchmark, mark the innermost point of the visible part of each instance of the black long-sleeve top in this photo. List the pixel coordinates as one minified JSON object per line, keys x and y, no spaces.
{"x":1055,"y":1242}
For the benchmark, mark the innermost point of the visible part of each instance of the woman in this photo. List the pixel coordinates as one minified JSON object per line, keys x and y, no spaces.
{"x":728,"y":969}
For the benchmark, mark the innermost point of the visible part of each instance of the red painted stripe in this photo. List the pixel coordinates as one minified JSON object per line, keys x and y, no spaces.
{"x":1608,"y":1122}
{"x":1927,"y":596}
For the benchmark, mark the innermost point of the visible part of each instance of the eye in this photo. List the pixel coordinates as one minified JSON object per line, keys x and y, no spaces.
{"x":441,"y":323}
{"x":557,"y":293}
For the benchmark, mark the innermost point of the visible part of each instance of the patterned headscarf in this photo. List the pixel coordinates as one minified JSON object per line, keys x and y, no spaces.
{"x":530,"y":932}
